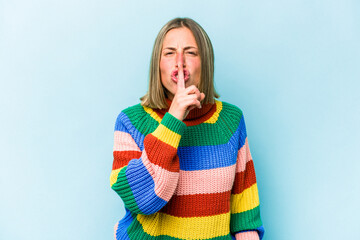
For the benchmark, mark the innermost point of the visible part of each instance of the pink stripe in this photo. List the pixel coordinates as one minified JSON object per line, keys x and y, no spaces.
{"x":251,"y":235}
{"x":243,"y":157}
{"x":124,"y":142}
{"x":165,"y":181}
{"x":206,"y":181}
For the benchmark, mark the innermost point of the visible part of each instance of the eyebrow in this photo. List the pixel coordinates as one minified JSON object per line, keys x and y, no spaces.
{"x":185,"y":48}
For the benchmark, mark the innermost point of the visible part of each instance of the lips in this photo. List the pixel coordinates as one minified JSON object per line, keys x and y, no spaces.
{"x":174,"y":75}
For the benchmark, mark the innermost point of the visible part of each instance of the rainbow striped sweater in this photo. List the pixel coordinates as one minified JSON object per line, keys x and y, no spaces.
{"x":191,"y":179}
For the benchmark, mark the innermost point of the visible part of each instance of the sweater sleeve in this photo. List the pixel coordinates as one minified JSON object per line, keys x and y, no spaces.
{"x":245,"y":221}
{"x":146,"y":179}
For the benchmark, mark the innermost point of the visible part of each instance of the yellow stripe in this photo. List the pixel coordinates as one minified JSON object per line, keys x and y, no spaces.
{"x":114,"y":175}
{"x":246,"y":200}
{"x":215,"y":116}
{"x":166,"y":135}
{"x":185,"y":227}
{"x":152,"y":114}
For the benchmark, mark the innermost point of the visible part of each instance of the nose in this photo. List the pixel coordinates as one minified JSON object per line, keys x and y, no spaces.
{"x":180,"y":61}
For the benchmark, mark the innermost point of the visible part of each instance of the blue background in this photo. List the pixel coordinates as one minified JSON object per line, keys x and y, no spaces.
{"x":67,"y":68}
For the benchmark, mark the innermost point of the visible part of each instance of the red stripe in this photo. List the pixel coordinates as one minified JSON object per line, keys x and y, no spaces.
{"x":195,"y":116}
{"x":245,"y":179}
{"x":161,"y":153}
{"x":189,"y":121}
{"x":198,"y":205}
{"x":122,"y":158}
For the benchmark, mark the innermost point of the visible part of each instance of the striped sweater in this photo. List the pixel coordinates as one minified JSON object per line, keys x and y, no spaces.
{"x":190,"y":179}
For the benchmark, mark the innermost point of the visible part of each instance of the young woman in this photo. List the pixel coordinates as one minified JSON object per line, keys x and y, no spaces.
{"x":182,"y":164}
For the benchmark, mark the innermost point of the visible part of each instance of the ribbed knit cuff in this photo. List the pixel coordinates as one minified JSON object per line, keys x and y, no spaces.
{"x":173,"y":123}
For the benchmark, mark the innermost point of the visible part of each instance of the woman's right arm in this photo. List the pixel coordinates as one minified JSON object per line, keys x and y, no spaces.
{"x":146,"y":179}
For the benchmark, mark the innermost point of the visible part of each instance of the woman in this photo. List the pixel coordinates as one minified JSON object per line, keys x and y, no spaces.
{"x":182,"y":164}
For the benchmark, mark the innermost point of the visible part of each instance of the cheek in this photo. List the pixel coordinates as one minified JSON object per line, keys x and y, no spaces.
{"x":165,"y":65}
{"x":163,"y":71}
{"x":194,"y":63}
{"x":196,"y":66}
{"x":197,"y":71}
{"x":162,"y":67}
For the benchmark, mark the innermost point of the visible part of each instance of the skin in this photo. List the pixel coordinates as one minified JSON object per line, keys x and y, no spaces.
{"x":180,"y":52}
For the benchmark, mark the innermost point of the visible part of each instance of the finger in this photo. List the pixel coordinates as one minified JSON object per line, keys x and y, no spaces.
{"x":191,"y":108}
{"x":191,"y":89}
{"x":180,"y":80}
{"x":191,"y":100}
{"x":194,"y":90}
{"x":198,"y":95}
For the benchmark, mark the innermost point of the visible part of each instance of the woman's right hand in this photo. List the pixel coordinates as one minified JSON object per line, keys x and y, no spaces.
{"x":185,"y":99}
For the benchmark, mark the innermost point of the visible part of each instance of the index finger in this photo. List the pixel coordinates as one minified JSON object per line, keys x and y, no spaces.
{"x":180,"y":80}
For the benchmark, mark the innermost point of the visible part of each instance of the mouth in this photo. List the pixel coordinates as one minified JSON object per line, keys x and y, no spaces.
{"x":175,"y":75}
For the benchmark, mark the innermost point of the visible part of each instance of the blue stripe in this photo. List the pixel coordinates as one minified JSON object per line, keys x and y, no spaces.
{"x":124,"y":124}
{"x":261,"y":231}
{"x":124,"y":223}
{"x":142,"y":186}
{"x":206,"y":157}
{"x":213,"y":156}
{"x":241,"y":132}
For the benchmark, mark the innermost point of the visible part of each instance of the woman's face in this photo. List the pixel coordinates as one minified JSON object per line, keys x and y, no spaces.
{"x":179,"y":47}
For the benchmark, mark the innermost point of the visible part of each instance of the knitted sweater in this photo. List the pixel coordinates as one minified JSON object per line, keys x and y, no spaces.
{"x":190,"y":179}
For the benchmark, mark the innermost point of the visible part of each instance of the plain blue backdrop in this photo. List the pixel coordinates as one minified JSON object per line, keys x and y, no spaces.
{"x":67,"y":68}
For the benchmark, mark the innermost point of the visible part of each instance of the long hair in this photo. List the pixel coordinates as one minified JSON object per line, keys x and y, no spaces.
{"x":155,"y":97}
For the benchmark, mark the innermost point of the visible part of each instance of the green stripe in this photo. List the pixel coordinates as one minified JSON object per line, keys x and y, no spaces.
{"x":211,"y":134}
{"x":136,"y":232}
{"x":230,"y":116}
{"x":216,"y":133}
{"x":122,"y":188}
{"x":246,"y":220}
{"x":140,"y":119}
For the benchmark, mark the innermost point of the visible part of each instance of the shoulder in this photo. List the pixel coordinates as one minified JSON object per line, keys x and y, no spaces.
{"x":230,"y":111}
{"x":134,"y":111}
{"x":233,"y":117}
{"x":231,"y":108}
{"x":131,"y":115}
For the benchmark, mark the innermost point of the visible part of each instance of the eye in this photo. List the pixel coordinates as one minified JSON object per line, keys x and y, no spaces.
{"x":192,"y":53}
{"x":168,"y":53}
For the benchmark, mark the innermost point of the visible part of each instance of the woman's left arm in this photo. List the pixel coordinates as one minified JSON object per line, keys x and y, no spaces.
{"x":245,"y":221}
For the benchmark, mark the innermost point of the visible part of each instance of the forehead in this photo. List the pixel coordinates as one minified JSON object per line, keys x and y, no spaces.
{"x":179,"y":37}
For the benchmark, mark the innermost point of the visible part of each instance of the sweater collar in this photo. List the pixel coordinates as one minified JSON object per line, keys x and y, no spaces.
{"x":195,"y":116}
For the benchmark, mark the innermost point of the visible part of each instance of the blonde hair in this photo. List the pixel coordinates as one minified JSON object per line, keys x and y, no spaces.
{"x":155,"y":97}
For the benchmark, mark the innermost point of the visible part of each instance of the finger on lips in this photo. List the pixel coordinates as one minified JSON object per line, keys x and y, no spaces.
{"x":180,"y":80}
{"x":191,"y":90}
